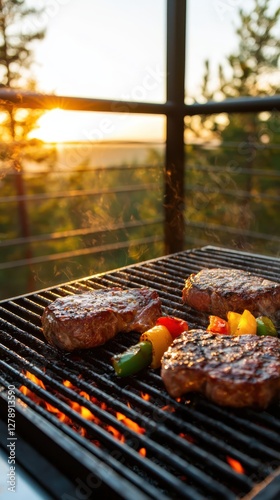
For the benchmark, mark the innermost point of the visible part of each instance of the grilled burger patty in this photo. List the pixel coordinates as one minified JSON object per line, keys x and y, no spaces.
{"x":231,"y":371}
{"x":218,"y":291}
{"x":90,"y":319}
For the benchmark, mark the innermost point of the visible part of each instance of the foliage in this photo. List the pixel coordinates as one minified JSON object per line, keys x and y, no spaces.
{"x":74,"y":215}
{"x":18,"y":33}
{"x":237,"y":189}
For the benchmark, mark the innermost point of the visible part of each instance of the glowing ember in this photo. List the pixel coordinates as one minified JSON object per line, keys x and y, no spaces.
{"x":146,"y":397}
{"x":34,"y":397}
{"x":34,"y":379}
{"x":187,"y":437}
{"x":130,"y":423}
{"x":117,"y":434}
{"x":83,"y":411}
{"x":235,"y":465}
{"x":67,"y":383}
{"x":169,"y":408}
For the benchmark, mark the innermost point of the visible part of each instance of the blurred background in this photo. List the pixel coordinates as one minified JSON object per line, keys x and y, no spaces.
{"x":82,"y":191}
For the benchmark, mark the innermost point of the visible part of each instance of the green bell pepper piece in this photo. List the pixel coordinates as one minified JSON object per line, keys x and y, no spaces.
{"x":133,"y":360}
{"x":265,"y":326}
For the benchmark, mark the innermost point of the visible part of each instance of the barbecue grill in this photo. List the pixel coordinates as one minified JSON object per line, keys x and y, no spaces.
{"x":84,"y":433}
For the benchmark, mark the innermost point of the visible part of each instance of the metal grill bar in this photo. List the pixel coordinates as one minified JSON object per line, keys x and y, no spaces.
{"x":189,"y":443}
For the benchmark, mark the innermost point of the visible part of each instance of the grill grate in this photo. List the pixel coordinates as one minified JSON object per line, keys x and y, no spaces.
{"x":129,"y":435}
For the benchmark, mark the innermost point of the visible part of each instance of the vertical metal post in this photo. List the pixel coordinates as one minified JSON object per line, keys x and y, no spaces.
{"x":174,"y":164}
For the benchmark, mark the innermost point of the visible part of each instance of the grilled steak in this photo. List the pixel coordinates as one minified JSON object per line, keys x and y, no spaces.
{"x":231,"y":371}
{"x":91,"y":318}
{"x":218,"y":291}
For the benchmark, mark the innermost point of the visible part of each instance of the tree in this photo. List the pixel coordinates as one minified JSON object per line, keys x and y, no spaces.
{"x":252,"y":70}
{"x":16,"y":59}
{"x":15,"y":64}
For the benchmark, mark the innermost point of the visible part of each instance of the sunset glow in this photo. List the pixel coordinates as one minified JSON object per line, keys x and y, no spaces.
{"x":54,"y":126}
{"x":59,"y":125}
{"x":118,"y":52}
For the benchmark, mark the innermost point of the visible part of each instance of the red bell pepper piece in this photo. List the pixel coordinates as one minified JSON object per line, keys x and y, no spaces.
{"x":174,"y":325}
{"x":218,"y":325}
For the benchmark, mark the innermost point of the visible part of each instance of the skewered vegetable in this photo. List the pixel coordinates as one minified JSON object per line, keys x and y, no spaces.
{"x":237,"y":324}
{"x":233,"y":320}
{"x":160,"y":339}
{"x":174,"y":325}
{"x":265,"y":326}
{"x":247,"y":324}
{"x":133,"y":360}
{"x":218,"y":325}
{"x":149,"y":351}
{"x":242,"y":324}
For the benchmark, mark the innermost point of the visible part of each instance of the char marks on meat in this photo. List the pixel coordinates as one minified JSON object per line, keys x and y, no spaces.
{"x":217,"y":291}
{"x":90,"y":319}
{"x":231,"y":371}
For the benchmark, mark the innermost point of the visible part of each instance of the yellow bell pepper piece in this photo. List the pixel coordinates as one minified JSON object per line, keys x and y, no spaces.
{"x":247,"y":324}
{"x":160,"y":339}
{"x":233,"y":320}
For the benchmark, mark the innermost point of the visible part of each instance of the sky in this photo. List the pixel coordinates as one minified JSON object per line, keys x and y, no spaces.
{"x":115,"y":49}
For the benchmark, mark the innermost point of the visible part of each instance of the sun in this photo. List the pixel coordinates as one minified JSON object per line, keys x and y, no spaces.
{"x":60,"y":125}
{"x":54,"y":126}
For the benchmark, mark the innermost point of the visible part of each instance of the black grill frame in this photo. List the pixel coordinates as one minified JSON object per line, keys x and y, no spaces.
{"x":210,"y":433}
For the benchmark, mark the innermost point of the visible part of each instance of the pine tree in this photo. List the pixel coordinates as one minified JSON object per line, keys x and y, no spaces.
{"x":256,"y":61}
{"x":252,"y":70}
{"x":18,"y":32}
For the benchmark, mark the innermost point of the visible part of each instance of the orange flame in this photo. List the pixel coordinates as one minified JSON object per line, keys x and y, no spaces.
{"x":83,"y":411}
{"x":130,"y":423}
{"x":145,"y":396}
{"x":235,"y":465}
{"x":34,"y":379}
{"x":117,"y":434}
{"x":34,"y":397}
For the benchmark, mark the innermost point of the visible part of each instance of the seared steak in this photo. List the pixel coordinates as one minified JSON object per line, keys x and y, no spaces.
{"x":91,"y":318}
{"x":218,"y":291}
{"x":231,"y":371}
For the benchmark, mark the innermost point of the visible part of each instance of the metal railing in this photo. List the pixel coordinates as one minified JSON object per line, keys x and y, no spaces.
{"x":175,"y":184}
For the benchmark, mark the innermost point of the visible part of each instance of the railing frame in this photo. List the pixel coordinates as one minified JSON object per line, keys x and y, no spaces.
{"x":174,"y":109}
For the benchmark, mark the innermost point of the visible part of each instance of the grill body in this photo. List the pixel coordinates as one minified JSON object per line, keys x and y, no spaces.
{"x":84,"y":433}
